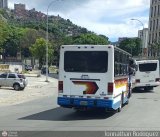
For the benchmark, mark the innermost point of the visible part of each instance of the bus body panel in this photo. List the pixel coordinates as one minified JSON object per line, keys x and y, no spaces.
{"x":89,"y":89}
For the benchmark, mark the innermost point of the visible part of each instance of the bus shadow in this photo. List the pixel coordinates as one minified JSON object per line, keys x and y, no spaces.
{"x":64,"y":114}
{"x":142,"y":91}
{"x":8,"y":88}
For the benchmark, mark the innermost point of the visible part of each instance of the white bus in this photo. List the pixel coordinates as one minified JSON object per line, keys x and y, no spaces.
{"x":147,"y":75}
{"x":93,"y":76}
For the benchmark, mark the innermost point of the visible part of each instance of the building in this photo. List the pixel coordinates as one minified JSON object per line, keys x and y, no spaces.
{"x":3,"y":3}
{"x":20,"y":10}
{"x":143,"y":35}
{"x":19,"y":7}
{"x":154,"y":27}
{"x":121,"y":39}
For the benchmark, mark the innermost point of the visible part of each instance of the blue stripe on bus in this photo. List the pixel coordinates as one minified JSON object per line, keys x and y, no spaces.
{"x":98,"y":103}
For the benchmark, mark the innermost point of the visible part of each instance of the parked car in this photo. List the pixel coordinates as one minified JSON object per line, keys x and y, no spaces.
{"x":28,"y":67}
{"x":15,"y":80}
{"x":43,"y":70}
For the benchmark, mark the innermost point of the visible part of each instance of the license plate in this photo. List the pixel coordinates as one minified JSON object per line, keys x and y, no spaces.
{"x":151,"y":80}
{"x":147,"y":84}
{"x":84,"y":103}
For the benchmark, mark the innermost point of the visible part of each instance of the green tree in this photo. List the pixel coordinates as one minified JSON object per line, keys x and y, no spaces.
{"x":3,"y":31}
{"x":9,"y":39}
{"x":91,"y":39}
{"x":5,"y":13}
{"x":131,"y":45}
{"x":27,"y":39}
{"x":12,"y":44}
{"x":18,"y":34}
{"x":38,"y":50}
{"x":155,"y":48}
{"x":68,"y":40}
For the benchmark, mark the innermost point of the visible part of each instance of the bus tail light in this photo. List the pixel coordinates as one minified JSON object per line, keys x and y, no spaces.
{"x":157,"y":79}
{"x":110,"y":88}
{"x":137,"y":80}
{"x":60,"y":86}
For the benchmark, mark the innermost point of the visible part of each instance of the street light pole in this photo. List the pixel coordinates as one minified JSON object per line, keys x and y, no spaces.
{"x":142,"y":32}
{"x":140,"y":22}
{"x":47,"y":41}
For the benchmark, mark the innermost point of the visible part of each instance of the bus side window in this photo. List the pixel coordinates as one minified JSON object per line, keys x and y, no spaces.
{"x":116,"y":69}
{"x":126,"y":59}
{"x":123,"y":58}
{"x":126,"y":69}
{"x":121,"y":62}
{"x":118,"y":56}
{"x":124,"y":73}
{"x":120,"y":68}
{"x":116,"y":64}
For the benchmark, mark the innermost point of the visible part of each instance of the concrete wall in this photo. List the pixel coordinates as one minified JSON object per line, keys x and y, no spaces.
{"x":11,"y":68}
{"x":4,"y":67}
{"x":15,"y":68}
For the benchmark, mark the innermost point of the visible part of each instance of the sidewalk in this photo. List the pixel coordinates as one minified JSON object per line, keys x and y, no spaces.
{"x":33,"y":73}
{"x":36,"y":88}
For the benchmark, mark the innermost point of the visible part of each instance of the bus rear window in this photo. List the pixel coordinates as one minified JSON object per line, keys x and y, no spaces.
{"x":147,"y":67}
{"x":86,"y":61}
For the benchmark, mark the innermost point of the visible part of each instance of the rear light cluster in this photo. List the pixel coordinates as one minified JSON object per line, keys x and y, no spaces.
{"x":157,"y":79}
{"x":137,"y":80}
{"x":110,"y":88}
{"x":60,"y":86}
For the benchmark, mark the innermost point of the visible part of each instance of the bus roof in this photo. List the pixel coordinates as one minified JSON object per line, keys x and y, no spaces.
{"x":87,"y":45}
{"x":84,"y":45}
{"x":122,"y":51}
{"x":146,"y":61}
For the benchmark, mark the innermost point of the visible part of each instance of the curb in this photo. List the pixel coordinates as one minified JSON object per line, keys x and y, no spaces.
{"x":32,"y":75}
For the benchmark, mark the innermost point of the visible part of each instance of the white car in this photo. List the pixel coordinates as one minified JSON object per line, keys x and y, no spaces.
{"x":15,"y":80}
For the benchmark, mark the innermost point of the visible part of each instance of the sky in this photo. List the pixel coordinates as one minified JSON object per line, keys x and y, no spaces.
{"x":111,"y":18}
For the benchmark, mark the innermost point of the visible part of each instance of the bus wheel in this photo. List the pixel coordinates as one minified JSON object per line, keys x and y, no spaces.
{"x":127,"y":102}
{"x":120,"y":108}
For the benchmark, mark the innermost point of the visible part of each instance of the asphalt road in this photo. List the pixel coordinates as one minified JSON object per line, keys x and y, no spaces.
{"x":43,"y":114}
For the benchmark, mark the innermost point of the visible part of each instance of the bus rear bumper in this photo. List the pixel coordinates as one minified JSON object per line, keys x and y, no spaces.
{"x":142,"y":85}
{"x":88,"y":103}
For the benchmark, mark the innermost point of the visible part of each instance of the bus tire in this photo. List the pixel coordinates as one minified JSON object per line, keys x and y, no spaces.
{"x":120,"y":108}
{"x":127,"y":102}
{"x":135,"y":89}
